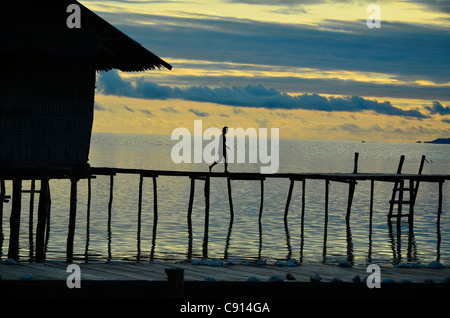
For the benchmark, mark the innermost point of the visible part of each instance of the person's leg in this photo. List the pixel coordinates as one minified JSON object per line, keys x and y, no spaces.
{"x":225,"y":161}
{"x":211,"y":166}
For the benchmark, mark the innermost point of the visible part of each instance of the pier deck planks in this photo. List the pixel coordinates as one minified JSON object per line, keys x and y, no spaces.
{"x":155,"y":271}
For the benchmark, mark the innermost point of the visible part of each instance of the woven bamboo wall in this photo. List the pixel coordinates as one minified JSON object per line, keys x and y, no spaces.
{"x":46,"y":114}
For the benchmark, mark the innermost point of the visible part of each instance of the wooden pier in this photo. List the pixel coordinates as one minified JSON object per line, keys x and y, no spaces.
{"x":148,"y":280}
{"x":351,"y":179}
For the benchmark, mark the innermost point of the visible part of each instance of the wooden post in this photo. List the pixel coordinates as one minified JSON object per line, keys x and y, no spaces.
{"x":438,"y":222}
{"x":302,"y":232}
{"x":230,"y":200}
{"x":189,"y":217}
{"x":175,"y":277}
{"x":155,"y":217}
{"x":72,"y":220}
{"x":2,"y":200}
{"x":325,"y":229}
{"x":441,"y":183}
{"x":88,"y":218}
{"x":372,"y":185}
{"x":206,"y":231}
{"x":400,"y":164}
{"x":355,"y":168}
{"x":110,"y":202}
{"x":261,"y":206}
{"x":261,"y":203}
{"x":400,"y":204}
{"x":30,"y":221}
{"x":14,"y":221}
{"x":141,"y":181}
{"x":327,"y":186}
{"x":43,"y":211}
{"x":288,"y":201}
{"x":191,"y":201}
{"x":411,"y":204}
{"x":351,"y":191}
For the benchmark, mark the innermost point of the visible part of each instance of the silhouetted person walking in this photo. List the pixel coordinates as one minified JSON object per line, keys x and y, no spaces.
{"x":222,"y":150}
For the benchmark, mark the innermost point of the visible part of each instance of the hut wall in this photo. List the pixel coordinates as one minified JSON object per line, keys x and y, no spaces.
{"x":46,"y":114}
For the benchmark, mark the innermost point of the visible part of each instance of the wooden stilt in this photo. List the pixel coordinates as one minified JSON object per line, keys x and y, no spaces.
{"x":191,"y":201}
{"x":438,"y":223}
{"x":206,"y":230}
{"x":355,"y":167}
{"x":30,"y":221}
{"x":351,"y":189}
{"x":351,"y":192}
{"x":302,"y":224}
{"x":325,"y":228}
{"x":14,"y":221}
{"x":261,"y":207}
{"x":72,"y":220}
{"x":261,"y":202}
{"x":372,"y":186}
{"x":3,"y":199}
{"x":327,"y":190}
{"x":141,"y":182}
{"x":412,"y":199}
{"x":47,"y":223}
{"x":400,"y":204}
{"x":43,"y":211}
{"x":88,"y":219}
{"x":110,"y":202}
{"x":230,"y":199}
{"x":441,"y":183}
{"x":155,"y":217}
{"x":189,"y":217}
{"x":288,"y":201}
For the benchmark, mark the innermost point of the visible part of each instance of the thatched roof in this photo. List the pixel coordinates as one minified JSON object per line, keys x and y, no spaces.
{"x":38,"y":29}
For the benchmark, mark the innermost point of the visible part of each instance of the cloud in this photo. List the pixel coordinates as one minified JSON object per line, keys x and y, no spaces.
{"x":146,"y":112}
{"x":97,"y":106}
{"x":438,"y":108}
{"x":169,"y":109}
{"x":279,"y":2}
{"x":199,"y":113}
{"x":400,"y":49}
{"x":247,"y":96}
{"x":349,"y":127}
{"x":435,"y":5}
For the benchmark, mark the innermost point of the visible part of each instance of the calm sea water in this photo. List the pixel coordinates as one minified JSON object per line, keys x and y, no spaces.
{"x":245,"y":240}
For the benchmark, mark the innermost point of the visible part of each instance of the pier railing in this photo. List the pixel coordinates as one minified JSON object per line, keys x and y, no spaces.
{"x":195,"y":176}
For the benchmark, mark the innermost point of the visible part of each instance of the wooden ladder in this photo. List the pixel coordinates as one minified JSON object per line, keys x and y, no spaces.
{"x":399,"y":191}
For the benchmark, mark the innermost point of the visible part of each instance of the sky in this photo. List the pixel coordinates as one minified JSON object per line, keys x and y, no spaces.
{"x":313,"y":69}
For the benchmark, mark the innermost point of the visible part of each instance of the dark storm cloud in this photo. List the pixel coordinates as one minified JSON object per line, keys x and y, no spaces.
{"x":404,"y":50}
{"x":435,"y":5}
{"x":110,"y":83}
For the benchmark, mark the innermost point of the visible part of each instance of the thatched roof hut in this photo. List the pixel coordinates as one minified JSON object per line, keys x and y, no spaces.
{"x":47,"y":81}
